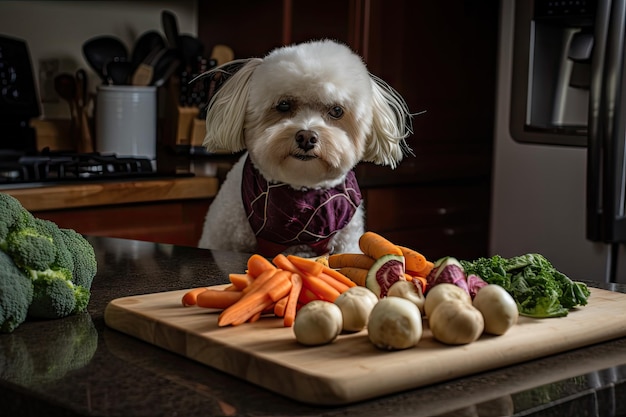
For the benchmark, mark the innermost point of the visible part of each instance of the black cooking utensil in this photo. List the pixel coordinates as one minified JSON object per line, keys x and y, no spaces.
{"x":170,"y":28}
{"x":118,"y":72}
{"x":101,"y":50}
{"x":165,"y":67}
{"x":190,"y":49}
{"x":144,"y":45}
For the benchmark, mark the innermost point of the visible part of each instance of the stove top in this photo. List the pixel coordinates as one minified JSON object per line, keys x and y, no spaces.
{"x":51,"y":166}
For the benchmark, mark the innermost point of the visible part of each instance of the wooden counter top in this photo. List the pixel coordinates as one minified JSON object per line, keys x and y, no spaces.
{"x":64,"y":196}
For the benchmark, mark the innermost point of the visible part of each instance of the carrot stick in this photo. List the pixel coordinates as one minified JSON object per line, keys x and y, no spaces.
{"x":356,"y":275}
{"x":306,"y":296}
{"x":282,"y":262}
{"x":190,"y":297}
{"x":257,"y":299}
{"x":320,"y":288}
{"x":339,"y":286}
{"x":292,"y":301}
{"x":246,"y":307}
{"x":339,"y":276}
{"x":376,"y":246}
{"x":240,"y":281}
{"x":413,"y":260}
{"x":255,"y":317}
{"x":358,"y":260}
{"x":281,"y":285}
{"x":279,"y":307}
{"x":306,"y":265}
{"x":258,"y":264}
{"x":220,"y":299}
{"x":260,"y":280}
{"x":424,"y":272}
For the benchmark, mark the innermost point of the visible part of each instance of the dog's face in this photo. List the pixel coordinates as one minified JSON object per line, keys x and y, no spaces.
{"x":310,"y":113}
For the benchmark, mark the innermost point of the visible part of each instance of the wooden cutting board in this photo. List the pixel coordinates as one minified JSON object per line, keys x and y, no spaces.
{"x":352,"y":369}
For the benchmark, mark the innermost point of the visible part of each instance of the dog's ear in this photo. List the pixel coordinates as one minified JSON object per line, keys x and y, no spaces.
{"x":391,"y":125}
{"x":227,"y":109}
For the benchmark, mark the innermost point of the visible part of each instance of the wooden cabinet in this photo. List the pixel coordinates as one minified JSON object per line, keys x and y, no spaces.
{"x":441,"y":56}
{"x":174,"y":222}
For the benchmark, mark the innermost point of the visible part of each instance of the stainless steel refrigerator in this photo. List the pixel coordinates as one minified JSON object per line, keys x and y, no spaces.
{"x":559,"y":170}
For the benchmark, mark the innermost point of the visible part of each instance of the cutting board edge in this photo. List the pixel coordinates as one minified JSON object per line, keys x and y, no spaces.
{"x":332,"y":391}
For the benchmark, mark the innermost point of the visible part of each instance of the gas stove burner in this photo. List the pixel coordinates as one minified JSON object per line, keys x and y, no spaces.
{"x":61,"y":166}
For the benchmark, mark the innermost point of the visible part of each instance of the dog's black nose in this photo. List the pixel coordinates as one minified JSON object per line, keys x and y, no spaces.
{"x":306,"y":139}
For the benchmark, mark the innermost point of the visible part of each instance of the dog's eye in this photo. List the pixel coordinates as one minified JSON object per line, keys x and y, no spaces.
{"x":283,"y":106}
{"x":335,"y":112}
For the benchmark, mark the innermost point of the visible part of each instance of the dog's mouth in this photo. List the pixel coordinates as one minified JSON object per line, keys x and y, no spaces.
{"x":303,"y":157}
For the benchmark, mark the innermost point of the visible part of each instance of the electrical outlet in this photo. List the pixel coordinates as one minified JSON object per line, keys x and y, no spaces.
{"x":48,"y":69}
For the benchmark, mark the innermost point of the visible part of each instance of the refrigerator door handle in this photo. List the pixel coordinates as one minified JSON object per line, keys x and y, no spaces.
{"x":613,"y":130}
{"x":595,"y":123}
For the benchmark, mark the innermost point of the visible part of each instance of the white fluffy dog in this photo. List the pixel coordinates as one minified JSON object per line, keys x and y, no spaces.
{"x":306,"y":115}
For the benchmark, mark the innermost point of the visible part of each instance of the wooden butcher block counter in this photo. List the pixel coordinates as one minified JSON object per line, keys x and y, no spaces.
{"x":351,"y":369}
{"x":165,"y":209}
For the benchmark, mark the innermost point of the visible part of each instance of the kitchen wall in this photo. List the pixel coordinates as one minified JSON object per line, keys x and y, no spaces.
{"x":56,"y":30}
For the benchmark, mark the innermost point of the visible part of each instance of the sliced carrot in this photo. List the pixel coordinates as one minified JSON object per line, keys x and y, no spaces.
{"x":320,"y":288}
{"x":260,"y":280}
{"x":257,"y":264}
{"x":221,"y":299}
{"x":292,"y":301}
{"x":279,"y":307}
{"x":282,"y":262}
{"x":377,"y":246}
{"x":339,"y":286}
{"x":339,"y":276}
{"x":358,"y":260}
{"x":306,"y":265}
{"x":256,"y":300}
{"x":255,"y":317}
{"x":413,"y":260}
{"x":306,"y":296}
{"x":356,"y":275}
{"x":281,"y":285}
{"x":190,"y":297}
{"x":424,"y":272}
{"x":231,"y":287}
{"x":240,"y":281}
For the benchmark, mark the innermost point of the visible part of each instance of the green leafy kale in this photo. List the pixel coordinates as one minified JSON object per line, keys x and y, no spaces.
{"x":539,"y":289}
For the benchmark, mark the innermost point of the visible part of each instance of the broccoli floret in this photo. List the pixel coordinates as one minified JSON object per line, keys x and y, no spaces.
{"x":13,"y":215}
{"x":60,"y":263}
{"x":84,"y":261}
{"x":16,"y":294}
{"x":53,"y":295}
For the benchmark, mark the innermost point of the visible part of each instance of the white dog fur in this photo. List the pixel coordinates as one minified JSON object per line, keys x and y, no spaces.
{"x":319,"y":87}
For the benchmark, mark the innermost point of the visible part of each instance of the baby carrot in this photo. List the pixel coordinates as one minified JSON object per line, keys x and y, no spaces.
{"x":220,"y":299}
{"x":358,"y":260}
{"x":281,"y":285}
{"x":356,"y":275}
{"x":377,"y":246}
{"x":190,"y":297}
{"x":282,"y":262}
{"x":413,"y":260}
{"x":258,"y":264}
{"x":292,"y":301}
{"x":306,"y":265}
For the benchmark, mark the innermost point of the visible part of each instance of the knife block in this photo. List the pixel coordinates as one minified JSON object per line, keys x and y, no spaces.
{"x":182,"y":125}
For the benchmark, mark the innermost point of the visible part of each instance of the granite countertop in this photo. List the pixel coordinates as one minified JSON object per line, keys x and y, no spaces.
{"x":78,"y":367}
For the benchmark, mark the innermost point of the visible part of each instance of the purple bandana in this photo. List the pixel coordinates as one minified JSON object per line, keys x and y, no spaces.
{"x":281,"y":216}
